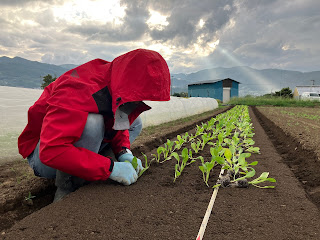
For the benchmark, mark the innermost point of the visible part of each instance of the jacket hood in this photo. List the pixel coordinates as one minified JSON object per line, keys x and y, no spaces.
{"x":139,"y":75}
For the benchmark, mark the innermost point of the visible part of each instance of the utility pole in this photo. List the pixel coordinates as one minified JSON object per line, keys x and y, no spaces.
{"x":281,"y":82}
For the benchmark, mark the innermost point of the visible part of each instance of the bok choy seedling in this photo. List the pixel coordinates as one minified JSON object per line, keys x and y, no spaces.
{"x":180,"y":141}
{"x":134,"y":164}
{"x":196,"y":146}
{"x":159,"y":151}
{"x":262,"y":178}
{"x":205,"y":139}
{"x":206,"y":169}
{"x":180,"y":165}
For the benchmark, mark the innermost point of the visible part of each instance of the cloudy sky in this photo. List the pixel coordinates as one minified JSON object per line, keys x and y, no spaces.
{"x":191,"y":35}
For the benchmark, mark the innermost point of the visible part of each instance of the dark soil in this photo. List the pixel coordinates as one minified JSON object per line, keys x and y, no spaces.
{"x":157,"y":208}
{"x":300,"y":123}
{"x":296,"y":153}
{"x":16,"y":182}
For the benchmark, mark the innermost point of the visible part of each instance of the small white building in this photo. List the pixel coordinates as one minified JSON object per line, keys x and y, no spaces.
{"x":301,"y":89}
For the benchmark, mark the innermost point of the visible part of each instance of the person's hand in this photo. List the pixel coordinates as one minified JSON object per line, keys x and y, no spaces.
{"x":124,"y":173}
{"x":129,"y":157}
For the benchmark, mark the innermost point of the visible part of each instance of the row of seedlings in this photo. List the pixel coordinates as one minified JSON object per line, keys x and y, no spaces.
{"x":229,"y":136}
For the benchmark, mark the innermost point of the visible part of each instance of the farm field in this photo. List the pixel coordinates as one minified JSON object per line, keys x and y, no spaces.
{"x":297,"y":138}
{"x":301,"y":123}
{"x":157,"y":208}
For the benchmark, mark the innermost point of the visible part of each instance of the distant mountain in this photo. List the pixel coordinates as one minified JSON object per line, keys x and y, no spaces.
{"x":19,"y":72}
{"x":68,"y":66}
{"x":252,"y":81}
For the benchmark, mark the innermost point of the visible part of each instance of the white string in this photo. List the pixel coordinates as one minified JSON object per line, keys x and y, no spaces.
{"x":209,"y":209}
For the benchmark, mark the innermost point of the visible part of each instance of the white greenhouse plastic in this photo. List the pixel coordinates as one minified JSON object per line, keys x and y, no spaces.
{"x":176,"y":108}
{"x":15,"y":102}
{"x":14,"y":105}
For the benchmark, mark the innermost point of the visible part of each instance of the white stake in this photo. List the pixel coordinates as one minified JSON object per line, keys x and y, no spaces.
{"x":208,"y":212}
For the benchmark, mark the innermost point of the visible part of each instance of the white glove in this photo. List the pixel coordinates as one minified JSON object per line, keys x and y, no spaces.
{"x":124,"y":173}
{"x":129,"y":157}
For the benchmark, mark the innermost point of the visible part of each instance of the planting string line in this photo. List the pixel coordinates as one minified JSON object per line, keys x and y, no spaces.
{"x":208,"y":212}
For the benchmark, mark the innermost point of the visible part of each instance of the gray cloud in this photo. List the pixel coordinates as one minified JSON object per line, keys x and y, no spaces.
{"x":45,"y":18}
{"x":256,"y":33}
{"x":3,"y":22}
{"x":25,"y":2}
{"x":67,"y":57}
{"x":15,"y":2}
{"x":183,"y":16}
{"x":75,"y":53}
{"x":272,"y":33}
{"x":133,"y":28}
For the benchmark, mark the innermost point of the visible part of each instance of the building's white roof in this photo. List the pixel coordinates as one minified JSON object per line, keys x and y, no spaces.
{"x":312,"y":88}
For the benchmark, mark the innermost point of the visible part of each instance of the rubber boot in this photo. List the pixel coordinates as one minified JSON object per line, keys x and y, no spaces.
{"x":66,"y":184}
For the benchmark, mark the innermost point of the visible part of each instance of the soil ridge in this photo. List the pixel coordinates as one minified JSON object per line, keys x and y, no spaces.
{"x":304,"y":163}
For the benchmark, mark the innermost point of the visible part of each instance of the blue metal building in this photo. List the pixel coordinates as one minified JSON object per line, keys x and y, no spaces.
{"x":222,"y":89}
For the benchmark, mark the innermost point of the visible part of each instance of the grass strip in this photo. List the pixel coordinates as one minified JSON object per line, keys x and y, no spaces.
{"x":272,"y":101}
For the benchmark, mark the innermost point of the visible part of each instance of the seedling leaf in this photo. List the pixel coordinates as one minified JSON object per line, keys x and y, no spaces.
{"x":134,"y":163}
{"x":228,"y":154}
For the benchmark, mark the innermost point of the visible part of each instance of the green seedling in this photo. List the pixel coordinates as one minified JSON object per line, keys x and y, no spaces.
{"x":192,"y":159}
{"x":253,"y":149}
{"x":146,"y":165}
{"x":235,"y":140}
{"x":180,"y":165}
{"x":199,"y":131}
{"x":191,"y":137}
{"x":29,"y":198}
{"x":180,"y":141}
{"x":165,"y":150}
{"x":228,"y":157}
{"x":169,"y":145}
{"x":204,"y":126}
{"x":185,"y":137}
{"x":134,"y":164}
{"x":263,"y":178}
{"x":206,"y":169}
{"x":159,"y":151}
{"x":205,"y":139}
{"x":177,"y":173}
{"x":248,"y":142}
{"x":249,"y":174}
{"x":227,"y":141}
{"x":196,"y":146}
{"x":216,"y":155}
{"x":221,"y":139}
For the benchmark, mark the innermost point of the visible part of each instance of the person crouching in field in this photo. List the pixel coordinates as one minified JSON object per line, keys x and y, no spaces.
{"x":88,"y":112}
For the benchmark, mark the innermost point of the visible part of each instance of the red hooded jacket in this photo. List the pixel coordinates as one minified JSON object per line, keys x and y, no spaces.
{"x":59,"y":116}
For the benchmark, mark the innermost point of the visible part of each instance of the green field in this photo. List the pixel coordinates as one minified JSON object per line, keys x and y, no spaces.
{"x":273,"y":101}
